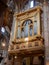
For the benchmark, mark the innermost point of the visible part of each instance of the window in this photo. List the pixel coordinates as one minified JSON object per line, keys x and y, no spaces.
{"x":19,"y":32}
{"x":26,"y":28}
{"x":35,"y":27}
{"x":31,"y":30}
{"x":31,"y":4}
{"x":22,"y":32}
{"x":2,"y":29}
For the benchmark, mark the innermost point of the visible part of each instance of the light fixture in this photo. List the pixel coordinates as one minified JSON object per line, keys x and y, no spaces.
{"x":3,"y":44}
{"x":15,"y":57}
{"x":26,"y":39}
{"x":2,"y":29}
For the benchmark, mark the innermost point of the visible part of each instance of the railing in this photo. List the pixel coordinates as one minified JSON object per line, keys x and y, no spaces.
{"x":36,"y":44}
{"x":28,"y":45}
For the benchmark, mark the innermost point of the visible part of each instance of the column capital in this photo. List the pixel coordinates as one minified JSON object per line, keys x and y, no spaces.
{"x":45,"y":2}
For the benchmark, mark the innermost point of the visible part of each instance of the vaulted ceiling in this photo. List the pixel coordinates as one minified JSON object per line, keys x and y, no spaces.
{"x":3,"y":6}
{"x":4,"y":11}
{"x":6,"y":14}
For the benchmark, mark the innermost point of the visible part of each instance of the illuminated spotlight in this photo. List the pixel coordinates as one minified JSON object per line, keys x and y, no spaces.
{"x":15,"y":57}
{"x":26,"y":39}
{"x":3,"y":44}
{"x":2,"y":29}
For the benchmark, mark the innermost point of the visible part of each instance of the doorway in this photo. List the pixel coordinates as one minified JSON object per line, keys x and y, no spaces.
{"x":34,"y":60}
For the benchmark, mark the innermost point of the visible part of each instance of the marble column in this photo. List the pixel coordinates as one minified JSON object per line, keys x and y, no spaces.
{"x":13,"y":29}
{"x":46,"y":33}
{"x":27,"y":60}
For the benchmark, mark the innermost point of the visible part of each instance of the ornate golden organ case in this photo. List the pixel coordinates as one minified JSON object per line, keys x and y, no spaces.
{"x":27,"y":38}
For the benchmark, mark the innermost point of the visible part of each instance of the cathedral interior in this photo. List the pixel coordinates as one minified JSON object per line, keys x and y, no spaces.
{"x":24,"y":32}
